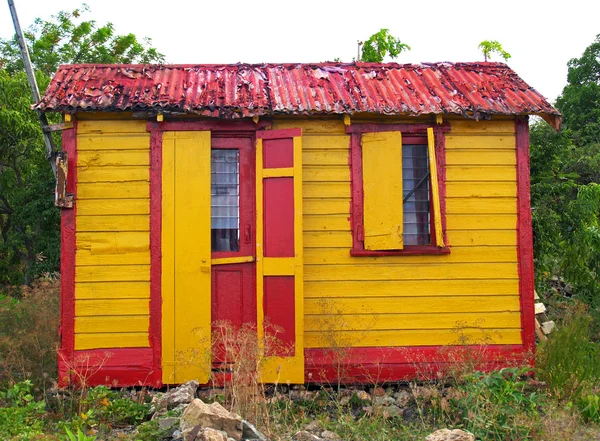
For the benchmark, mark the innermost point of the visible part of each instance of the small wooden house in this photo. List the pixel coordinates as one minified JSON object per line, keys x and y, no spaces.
{"x":367,"y":216}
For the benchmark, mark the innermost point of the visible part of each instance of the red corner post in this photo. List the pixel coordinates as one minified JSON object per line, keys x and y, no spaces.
{"x":67,"y":262}
{"x":525,"y":236}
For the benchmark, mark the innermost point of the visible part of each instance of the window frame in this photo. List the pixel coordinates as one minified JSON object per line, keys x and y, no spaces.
{"x":357,"y":196}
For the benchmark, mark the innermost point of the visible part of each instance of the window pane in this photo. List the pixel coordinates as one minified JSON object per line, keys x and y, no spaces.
{"x":415,"y":166}
{"x":225,"y":199}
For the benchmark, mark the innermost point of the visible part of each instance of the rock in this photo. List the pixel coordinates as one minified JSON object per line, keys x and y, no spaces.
{"x":362,"y":395}
{"x":303,"y":435}
{"x":450,"y":435}
{"x":384,"y":401}
{"x":314,"y":427}
{"x":403,"y":398}
{"x":379,"y":392}
{"x":329,"y":435}
{"x":183,"y":394}
{"x":250,"y":432}
{"x":344,"y":401}
{"x":169,"y":423}
{"x":213,"y":416}
{"x":200,"y":433}
{"x":390,"y":412}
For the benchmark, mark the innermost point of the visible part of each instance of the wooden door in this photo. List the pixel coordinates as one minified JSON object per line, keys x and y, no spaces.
{"x":233,"y":226}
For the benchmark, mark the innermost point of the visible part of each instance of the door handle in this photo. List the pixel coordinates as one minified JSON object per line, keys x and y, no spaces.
{"x":248,"y":234}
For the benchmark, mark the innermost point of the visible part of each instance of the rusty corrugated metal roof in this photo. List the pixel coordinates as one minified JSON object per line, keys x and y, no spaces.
{"x":473,"y":90}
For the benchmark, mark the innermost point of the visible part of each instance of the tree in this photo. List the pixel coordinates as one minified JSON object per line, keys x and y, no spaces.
{"x":29,"y":222}
{"x":488,"y":47}
{"x":565,"y":178}
{"x":381,"y":44}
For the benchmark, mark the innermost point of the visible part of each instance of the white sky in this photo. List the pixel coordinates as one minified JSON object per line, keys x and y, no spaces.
{"x":541,"y":36}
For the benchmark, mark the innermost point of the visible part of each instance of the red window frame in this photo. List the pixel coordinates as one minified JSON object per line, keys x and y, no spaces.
{"x":357,"y":203}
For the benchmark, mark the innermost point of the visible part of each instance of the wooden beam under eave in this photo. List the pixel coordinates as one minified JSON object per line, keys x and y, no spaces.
{"x":555,"y":121}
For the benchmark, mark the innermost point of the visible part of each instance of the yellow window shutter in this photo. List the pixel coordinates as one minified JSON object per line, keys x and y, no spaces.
{"x":435,"y":190}
{"x":382,"y":190}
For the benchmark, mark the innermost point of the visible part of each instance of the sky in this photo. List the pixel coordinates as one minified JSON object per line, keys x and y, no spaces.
{"x":541,"y":36}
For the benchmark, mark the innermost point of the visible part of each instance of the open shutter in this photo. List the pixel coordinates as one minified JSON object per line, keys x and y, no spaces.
{"x":382,"y":190}
{"x":279,"y":261}
{"x":435,"y":191}
{"x":186,"y":253}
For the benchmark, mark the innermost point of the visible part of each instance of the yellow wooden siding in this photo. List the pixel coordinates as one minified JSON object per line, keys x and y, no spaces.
{"x":112,"y":275}
{"x":469,"y":294}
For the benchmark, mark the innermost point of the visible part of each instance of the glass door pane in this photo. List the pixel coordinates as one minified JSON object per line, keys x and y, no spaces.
{"x":225,"y":199}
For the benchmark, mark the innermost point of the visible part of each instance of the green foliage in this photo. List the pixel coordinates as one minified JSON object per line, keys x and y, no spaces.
{"x":488,"y":47}
{"x":380,"y":45}
{"x":568,"y":361}
{"x":20,"y":415}
{"x":79,"y":437}
{"x":589,"y":407}
{"x":499,"y":405}
{"x":67,"y":38}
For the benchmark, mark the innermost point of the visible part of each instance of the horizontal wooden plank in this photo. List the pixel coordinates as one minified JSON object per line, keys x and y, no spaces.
{"x":481,"y":173}
{"x":334,"y":173}
{"x":481,"y":189}
{"x":481,"y":221}
{"x":113,"y":223}
{"x":112,"y":290}
{"x":471,"y":127}
{"x":335,"y":141}
{"x":111,"y":307}
{"x":112,"y":324}
{"x":484,"y":254}
{"x":481,"y":157}
{"x":480,"y":142}
{"x":326,"y":190}
{"x":85,"y":257}
{"x":320,"y":291}
{"x":325,"y":157}
{"x":107,"y":127}
{"x":113,"y":243}
{"x":113,"y":190}
{"x":96,"y":158}
{"x":326,"y":206}
{"x":467,"y":238}
{"x":411,"y":338}
{"x":123,"y":141}
{"x":481,"y":205}
{"x":113,"y":174}
{"x":412,"y":272}
{"x":369,"y":322}
{"x":111,"y":340}
{"x":314,"y":126}
{"x":90,"y":207}
{"x":326,"y":222}
{"x":410,"y":305}
{"x":327,"y":239}
{"x":116,"y":273}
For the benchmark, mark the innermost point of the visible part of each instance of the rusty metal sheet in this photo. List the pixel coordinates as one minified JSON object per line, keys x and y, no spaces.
{"x":473,"y":90}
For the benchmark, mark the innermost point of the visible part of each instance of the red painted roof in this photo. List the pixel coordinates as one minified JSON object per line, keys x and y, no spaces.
{"x":474,"y":90}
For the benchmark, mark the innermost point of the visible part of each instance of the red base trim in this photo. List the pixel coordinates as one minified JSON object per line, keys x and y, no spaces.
{"x":112,"y":367}
{"x":407,"y":251}
{"x":392,"y":364}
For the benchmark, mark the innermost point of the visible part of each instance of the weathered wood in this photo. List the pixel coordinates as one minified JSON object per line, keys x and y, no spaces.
{"x":540,"y":308}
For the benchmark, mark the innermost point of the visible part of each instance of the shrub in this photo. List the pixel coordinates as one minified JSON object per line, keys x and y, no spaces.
{"x":568,"y":361}
{"x":29,"y":333}
{"x":20,"y":415}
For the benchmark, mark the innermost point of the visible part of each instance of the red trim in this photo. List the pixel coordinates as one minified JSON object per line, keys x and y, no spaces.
{"x":279,"y":134}
{"x":155,"y":327}
{"x":356,"y":184}
{"x":525,"y":235}
{"x":212,"y":125}
{"x":388,"y":364}
{"x":278,"y":217}
{"x":404,"y":128}
{"x":280,"y":317}
{"x":67,"y":261}
{"x":119,"y":367}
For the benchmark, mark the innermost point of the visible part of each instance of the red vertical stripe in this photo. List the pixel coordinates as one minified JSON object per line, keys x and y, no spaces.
{"x":67,"y":261}
{"x":525,"y":236}
{"x":280,"y":322}
{"x":278,"y":217}
{"x":155,"y":331}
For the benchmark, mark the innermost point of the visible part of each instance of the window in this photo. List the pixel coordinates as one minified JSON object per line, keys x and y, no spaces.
{"x":397,"y":177}
{"x":225,"y":199}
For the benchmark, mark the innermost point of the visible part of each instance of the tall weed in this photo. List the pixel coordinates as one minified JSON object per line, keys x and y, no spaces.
{"x":569,"y":362}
